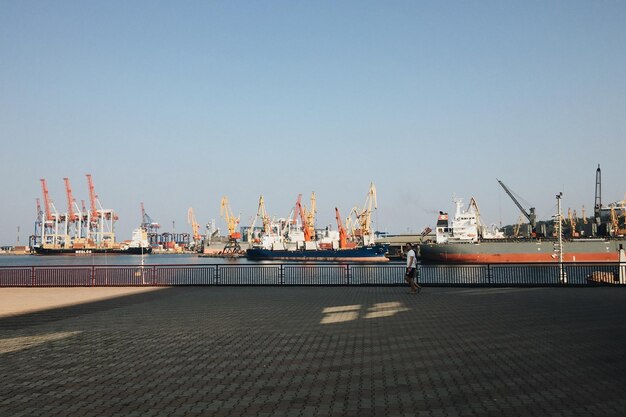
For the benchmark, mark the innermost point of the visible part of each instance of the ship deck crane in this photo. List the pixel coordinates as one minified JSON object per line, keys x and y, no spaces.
{"x":300,"y":211}
{"x":343,"y":241}
{"x":530,"y":214}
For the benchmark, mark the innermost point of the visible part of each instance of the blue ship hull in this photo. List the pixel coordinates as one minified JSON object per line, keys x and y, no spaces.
{"x":374,"y":253}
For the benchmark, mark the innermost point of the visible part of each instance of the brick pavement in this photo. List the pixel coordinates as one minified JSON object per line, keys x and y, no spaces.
{"x":309,"y":351}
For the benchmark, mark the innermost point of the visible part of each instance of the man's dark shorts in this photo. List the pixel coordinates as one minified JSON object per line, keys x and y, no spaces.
{"x":410,"y":274}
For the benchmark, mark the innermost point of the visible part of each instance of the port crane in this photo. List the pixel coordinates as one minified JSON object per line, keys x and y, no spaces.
{"x":265,"y":219}
{"x":309,"y":214}
{"x":195,"y":227}
{"x":50,"y":235}
{"x":147,"y":223}
{"x":232,"y":246}
{"x":364,"y":217}
{"x":530,"y":214}
{"x":75,"y":217}
{"x":101,"y":221}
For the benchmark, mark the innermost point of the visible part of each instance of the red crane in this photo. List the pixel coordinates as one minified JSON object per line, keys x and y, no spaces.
{"x":46,"y":200}
{"x":343,"y":242}
{"x":92,"y":198}
{"x":72,"y":217}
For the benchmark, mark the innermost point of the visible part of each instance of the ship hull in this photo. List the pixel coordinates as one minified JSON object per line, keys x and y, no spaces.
{"x":374,"y":253}
{"x":523,"y":251}
{"x":92,"y":251}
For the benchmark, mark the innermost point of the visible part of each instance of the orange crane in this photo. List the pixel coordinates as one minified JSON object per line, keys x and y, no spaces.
{"x":71,"y":215}
{"x":343,"y":241}
{"x":92,"y":199}
{"x":299,"y":210}
{"x":46,"y":200}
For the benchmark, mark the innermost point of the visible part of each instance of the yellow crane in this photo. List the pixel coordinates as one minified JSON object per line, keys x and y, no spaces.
{"x":309,"y":215}
{"x":230,"y":219}
{"x":364,"y":216}
{"x":232,"y":246}
{"x":195,"y":227}
{"x":267,"y":223}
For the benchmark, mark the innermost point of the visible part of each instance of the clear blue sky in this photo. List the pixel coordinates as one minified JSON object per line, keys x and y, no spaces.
{"x":177,"y":104}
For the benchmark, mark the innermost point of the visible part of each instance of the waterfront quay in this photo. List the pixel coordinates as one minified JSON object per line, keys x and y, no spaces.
{"x":313,"y":351}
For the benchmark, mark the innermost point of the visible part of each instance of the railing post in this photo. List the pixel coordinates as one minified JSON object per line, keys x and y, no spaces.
{"x":348,"y":274}
{"x":217,"y":274}
{"x":153,"y":275}
{"x":32,"y":277}
{"x":489,"y":274}
{"x":93,"y":276}
{"x":281,"y":274}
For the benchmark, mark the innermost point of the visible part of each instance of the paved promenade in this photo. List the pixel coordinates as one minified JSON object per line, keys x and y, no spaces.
{"x":303,"y":351}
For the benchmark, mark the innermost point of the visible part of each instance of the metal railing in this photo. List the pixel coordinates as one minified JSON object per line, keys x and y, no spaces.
{"x":313,"y":274}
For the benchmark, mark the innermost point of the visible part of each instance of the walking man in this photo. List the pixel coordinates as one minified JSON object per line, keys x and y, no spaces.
{"x":411,"y":269}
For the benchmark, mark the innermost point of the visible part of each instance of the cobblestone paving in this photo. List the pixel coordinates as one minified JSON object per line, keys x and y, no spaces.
{"x":303,"y":351}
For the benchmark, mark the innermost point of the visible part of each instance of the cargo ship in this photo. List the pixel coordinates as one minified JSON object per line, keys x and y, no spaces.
{"x":522,"y":251}
{"x":289,"y":240}
{"x":465,"y":240}
{"x":373,"y":253}
{"x":138,"y":245}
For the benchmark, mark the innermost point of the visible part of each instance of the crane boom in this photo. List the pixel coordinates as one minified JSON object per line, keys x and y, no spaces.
{"x":530,"y":215}
{"x":231,"y":220}
{"x":343,"y":241}
{"x":70,"y":200}
{"x":46,"y":199}
{"x":299,"y":211}
{"x":191,"y":219}
{"x":92,"y":198}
